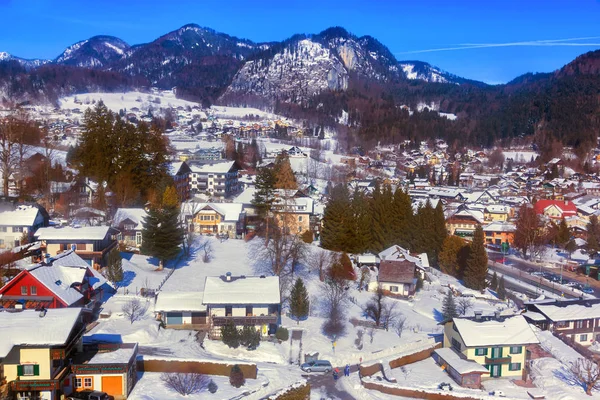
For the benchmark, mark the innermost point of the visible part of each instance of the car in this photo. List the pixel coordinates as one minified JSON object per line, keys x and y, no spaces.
{"x":570,"y":283}
{"x":317,"y":366}
{"x":587,"y":290}
{"x":538,"y":273}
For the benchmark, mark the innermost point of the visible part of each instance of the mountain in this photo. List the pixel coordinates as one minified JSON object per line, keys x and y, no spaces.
{"x":96,"y":52}
{"x":34,"y":63}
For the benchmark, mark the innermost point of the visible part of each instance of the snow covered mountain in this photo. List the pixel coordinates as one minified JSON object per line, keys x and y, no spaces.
{"x":96,"y":52}
{"x":34,"y":63}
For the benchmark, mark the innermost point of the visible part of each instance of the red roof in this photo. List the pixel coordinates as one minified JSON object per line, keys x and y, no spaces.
{"x":567,"y":207}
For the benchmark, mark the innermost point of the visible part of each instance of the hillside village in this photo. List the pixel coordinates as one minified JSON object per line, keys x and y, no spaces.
{"x":84,"y":307}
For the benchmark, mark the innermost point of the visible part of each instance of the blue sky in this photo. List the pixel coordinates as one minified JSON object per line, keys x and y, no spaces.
{"x":488,"y":40}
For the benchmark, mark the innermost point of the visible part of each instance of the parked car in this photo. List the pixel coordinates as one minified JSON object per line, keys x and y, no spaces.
{"x":587,"y":290}
{"x":317,"y":366}
{"x":94,"y":395}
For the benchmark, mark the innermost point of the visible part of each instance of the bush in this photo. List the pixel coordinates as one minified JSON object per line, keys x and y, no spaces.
{"x":282,"y":334}
{"x":249,"y":337}
{"x":236,"y":377}
{"x":185,"y":384}
{"x":307,"y":237}
{"x":230,"y":335}
{"x":212,"y":387}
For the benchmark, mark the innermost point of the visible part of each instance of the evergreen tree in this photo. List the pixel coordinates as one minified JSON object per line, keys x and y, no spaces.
{"x":494,"y":282}
{"x":362,"y":222}
{"x":402,"y":219}
{"x":563,"y":235}
{"x":265,"y":191}
{"x":439,"y":229}
{"x":501,"y":292}
{"x":162,"y":232}
{"x":593,"y":231}
{"x":230,"y":335}
{"x":425,"y":241}
{"x":236,"y":377}
{"x":284,"y":175}
{"x":450,"y":256}
{"x":114,"y":266}
{"x":382,"y":233}
{"x":476,"y":270}
{"x":249,"y":337}
{"x":299,"y":303}
{"x":337,"y":216}
{"x":449,"y":306}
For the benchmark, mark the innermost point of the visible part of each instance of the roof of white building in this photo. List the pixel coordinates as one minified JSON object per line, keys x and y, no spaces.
{"x":242,"y":290}
{"x":563,"y":311}
{"x":505,"y":331}
{"x":73,"y":233}
{"x":119,"y":356}
{"x":230,"y":211}
{"x":216,"y":168}
{"x":28,"y":328}
{"x":500,"y":227}
{"x":22,"y":216}
{"x":246,"y":196}
{"x":136,"y":215}
{"x":179,"y":301}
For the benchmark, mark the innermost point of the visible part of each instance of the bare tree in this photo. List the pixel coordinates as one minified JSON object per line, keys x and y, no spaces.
{"x":463,"y":305}
{"x":320,"y":260}
{"x":371,"y":333}
{"x":186,"y":383}
{"x":389,"y":313}
{"x":587,"y":373}
{"x":400,"y":325}
{"x":374,"y":307}
{"x":335,"y":299}
{"x":207,"y":251}
{"x":134,"y":310}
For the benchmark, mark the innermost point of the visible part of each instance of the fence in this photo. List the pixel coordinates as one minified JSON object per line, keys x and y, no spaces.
{"x":201,"y":367}
{"x":413,"y":393}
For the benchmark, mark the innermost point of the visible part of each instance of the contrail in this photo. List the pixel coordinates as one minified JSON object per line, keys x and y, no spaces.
{"x":553,"y":42}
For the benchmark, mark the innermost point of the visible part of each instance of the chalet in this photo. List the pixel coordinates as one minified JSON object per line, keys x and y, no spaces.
{"x":578,"y":320}
{"x":555,"y":209}
{"x":214,"y":218}
{"x":35,"y":350}
{"x":463,"y":222}
{"x":180,"y":172}
{"x":62,"y":281}
{"x":92,"y":243}
{"x":181,"y":310}
{"x":21,"y":223}
{"x":293,"y":210}
{"x":129,"y":223}
{"x":496,"y":342}
{"x":497,"y":213}
{"x":499,"y":232}
{"x":243,"y":301}
{"x":396,"y":278}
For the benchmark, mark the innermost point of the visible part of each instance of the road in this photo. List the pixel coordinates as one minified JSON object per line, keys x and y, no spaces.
{"x":325,"y":383}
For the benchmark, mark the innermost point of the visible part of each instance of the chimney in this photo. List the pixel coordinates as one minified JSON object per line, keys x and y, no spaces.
{"x":478,"y":315}
{"x":228,"y":277}
{"x":73,"y":247}
{"x":47,"y":258}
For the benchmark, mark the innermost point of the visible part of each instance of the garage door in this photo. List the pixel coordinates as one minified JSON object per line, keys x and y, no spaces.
{"x":199,"y":318}
{"x":112,"y":385}
{"x":174,"y":319}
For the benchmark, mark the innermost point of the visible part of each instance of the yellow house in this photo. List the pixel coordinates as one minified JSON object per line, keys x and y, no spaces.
{"x":292,"y":212}
{"x":497,"y":213}
{"x":34,"y":350}
{"x":498,"y":343}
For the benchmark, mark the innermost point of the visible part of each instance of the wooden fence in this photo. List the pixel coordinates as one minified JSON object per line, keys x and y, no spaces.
{"x":201,"y":367}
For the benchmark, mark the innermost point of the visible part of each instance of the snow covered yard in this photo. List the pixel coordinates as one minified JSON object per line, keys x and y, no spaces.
{"x":141,"y":271}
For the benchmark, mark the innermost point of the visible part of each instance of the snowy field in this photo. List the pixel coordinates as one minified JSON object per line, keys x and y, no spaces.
{"x":520,"y":156}
{"x":125,"y":100}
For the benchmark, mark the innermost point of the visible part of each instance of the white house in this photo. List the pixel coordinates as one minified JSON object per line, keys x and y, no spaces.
{"x":24,"y":220}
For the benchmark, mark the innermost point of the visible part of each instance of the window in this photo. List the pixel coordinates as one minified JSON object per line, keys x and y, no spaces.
{"x":2,"y":229}
{"x":33,"y":290}
{"x":578,"y":324}
{"x":88,"y":382}
{"x":23,"y":290}
{"x":80,"y":246}
{"x":583,"y":338}
{"x":78,"y":383}
{"x":249,"y":311}
{"x":28,"y":370}
{"x":481,"y":351}
{"x":394,"y":289}
{"x":514,"y":367}
{"x":300,"y":218}
{"x":138,"y":238}
{"x":456,"y":344}
{"x":516,"y":349}
{"x":228,"y":311}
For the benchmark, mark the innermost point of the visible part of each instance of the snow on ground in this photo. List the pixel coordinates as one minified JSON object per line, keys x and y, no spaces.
{"x":240,"y":112}
{"x":126,"y":100}
{"x":141,"y":271}
{"x":266,"y":352}
{"x":521,"y":156}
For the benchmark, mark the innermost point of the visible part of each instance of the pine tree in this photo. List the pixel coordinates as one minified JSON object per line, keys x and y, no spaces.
{"x":494,"y":282}
{"x":501,"y":292}
{"x":563,"y":235}
{"x":299,"y":303}
{"x":381,"y":218}
{"x":284,"y":175}
{"x":230,"y":335}
{"x":337,"y":216}
{"x":114,"y":266}
{"x":476,"y":270}
{"x":236,"y":377}
{"x":362,"y":222}
{"x":265,"y":191}
{"x":450,"y":256}
{"x":449,"y":306}
{"x":402,"y":219}
{"x":439,"y":229}
{"x":425,"y":241}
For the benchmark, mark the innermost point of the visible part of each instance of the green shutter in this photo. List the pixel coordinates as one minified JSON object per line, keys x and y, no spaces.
{"x":36,"y":370}
{"x":19,"y":370}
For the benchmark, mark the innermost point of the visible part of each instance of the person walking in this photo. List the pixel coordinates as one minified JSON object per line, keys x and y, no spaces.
{"x":347,"y":370}
{"x":335,"y":374}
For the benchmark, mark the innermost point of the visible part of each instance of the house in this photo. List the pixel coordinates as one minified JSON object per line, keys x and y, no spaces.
{"x":214,"y":218}
{"x":497,"y":213}
{"x":21,"y":223}
{"x":555,"y":209}
{"x":295,"y":151}
{"x":242,"y":300}
{"x":499,"y":343}
{"x":578,"y":320}
{"x":65,"y":280}
{"x":92,"y":243}
{"x":35,"y":350}
{"x":396,"y":278}
{"x":499,"y":232}
{"x":292,"y":210}
{"x":129,"y":223}
{"x":105,"y":367}
{"x":181,"y":310}
{"x":463,"y":222}
{"x":215,"y":179}
{"x":467,"y":373}
{"x":180,"y":172}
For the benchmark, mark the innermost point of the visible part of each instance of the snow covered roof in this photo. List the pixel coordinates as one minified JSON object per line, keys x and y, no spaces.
{"x":179,"y":301}
{"x":461,"y":365}
{"x":241,"y":290}
{"x":534,"y":316}
{"x":229,"y":211}
{"x":72,"y":233}
{"x":246,"y":196}
{"x":119,"y":356}
{"x":500,"y":227}
{"x":490,"y":332}
{"x":570,"y":311}
{"x":22,"y":216}
{"x":136,"y":215}
{"x":28,"y":328}
{"x":215,"y":168}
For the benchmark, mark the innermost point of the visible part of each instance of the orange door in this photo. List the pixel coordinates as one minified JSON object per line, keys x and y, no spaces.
{"x":112,"y":385}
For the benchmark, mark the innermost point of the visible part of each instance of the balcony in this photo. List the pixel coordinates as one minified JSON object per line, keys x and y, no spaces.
{"x":250,"y":320}
{"x":500,"y":360}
